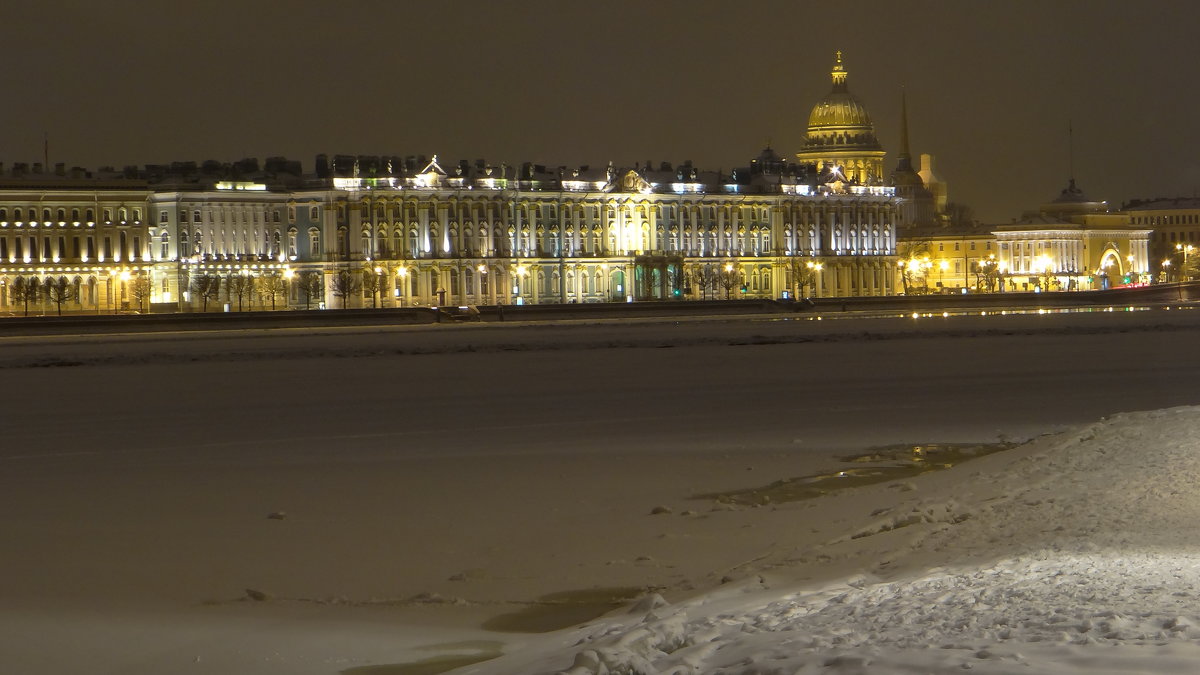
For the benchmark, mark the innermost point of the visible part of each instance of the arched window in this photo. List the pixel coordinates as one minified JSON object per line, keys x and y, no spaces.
{"x":414,"y":243}
{"x":367,"y":249}
{"x":292,"y":236}
{"x":314,"y":242}
{"x":397,"y":242}
{"x":382,"y":245}
{"x":165,"y":246}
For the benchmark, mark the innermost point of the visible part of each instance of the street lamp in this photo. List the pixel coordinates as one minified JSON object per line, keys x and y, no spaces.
{"x":378,"y":285}
{"x":288,"y":275}
{"x":124,"y":276}
{"x":1186,"y":249}
{"x":520,"y":271}
{"x":814,"y":269}
{"x":402,"y":272}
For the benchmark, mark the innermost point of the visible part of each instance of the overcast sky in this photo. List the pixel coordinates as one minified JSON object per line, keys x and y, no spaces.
{"x":991,"y":86}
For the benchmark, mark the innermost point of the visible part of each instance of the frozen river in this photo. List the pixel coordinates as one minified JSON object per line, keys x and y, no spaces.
{"x":488,"y":388}
{"x":488,"y":463}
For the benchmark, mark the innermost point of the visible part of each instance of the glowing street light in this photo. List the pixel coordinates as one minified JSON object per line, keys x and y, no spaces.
{"x":402,"y":272}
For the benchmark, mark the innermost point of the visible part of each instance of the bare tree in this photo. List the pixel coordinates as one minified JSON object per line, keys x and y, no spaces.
{"x":344,"y":284}
{"x":139,"y":290}
{"x":271,"y":286}
{"x":313,"y":286}
{"x":370,"y":284}
{"x":914,"y":265}
{"x":22,"y":291}
{"x":729,"y":276}
{"x":206,"y":287}
{"x":60,"y":291}
{"x":803,"y":272}
{"x":240,"y":286}
{"x":677,"y":278}
{"x":959,"y":216}
{"x":704,"y":277}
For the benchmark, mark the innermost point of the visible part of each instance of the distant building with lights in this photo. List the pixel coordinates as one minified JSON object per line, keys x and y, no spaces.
{"x":394,"y":231}
{"x":1069,"y":243}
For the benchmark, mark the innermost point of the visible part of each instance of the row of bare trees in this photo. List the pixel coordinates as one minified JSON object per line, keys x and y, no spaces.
{"x":241,"y":288}
{"x":707,"y":278}
{"x":26,"y":290}
{"x":60,"y":291}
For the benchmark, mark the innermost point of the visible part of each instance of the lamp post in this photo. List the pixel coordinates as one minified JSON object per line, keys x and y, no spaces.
{"x":378,"y":285}
{"x":519,"y":272}
{"x":814,"y":271}
{"x":1186,"y":250}
{"x":482,"y":269}
{"x":942,"y":267}
{"x":124,"y":283}
{"x":288,"y":274}
{"x":402,"y":272}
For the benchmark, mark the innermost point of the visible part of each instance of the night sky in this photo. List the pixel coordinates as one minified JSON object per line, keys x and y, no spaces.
{"x":991,"y":86}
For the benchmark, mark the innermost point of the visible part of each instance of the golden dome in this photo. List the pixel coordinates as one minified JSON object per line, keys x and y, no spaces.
{"x":840,"y":119}
{"x":839,"y":109}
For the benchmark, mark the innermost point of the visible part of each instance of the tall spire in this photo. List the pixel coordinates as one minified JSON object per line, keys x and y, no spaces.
{"x":904,"y":159}
{"x":1071,"y":152}
{"x":839,"y":73}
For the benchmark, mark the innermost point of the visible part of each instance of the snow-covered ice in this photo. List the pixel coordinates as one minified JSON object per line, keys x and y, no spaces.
{"x":1077,"y":553}
{"x":434,"y":479}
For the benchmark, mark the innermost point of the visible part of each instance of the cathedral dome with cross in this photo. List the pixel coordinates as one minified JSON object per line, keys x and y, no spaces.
{"x":841,"y":136}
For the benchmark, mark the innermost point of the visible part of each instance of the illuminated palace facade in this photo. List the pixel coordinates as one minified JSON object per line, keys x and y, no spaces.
{"x":401,"y":231}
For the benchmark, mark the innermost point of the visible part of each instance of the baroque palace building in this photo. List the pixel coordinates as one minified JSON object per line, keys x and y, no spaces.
{"x":398,"y":231}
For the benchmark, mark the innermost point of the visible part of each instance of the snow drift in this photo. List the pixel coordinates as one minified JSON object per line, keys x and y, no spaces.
{"x":1075,"y":553}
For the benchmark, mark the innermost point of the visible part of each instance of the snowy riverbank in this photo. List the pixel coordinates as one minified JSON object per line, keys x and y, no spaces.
{"x":1078,"y":553}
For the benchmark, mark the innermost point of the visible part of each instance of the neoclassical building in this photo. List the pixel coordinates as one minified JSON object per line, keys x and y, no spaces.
{"x":395,"y":231}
